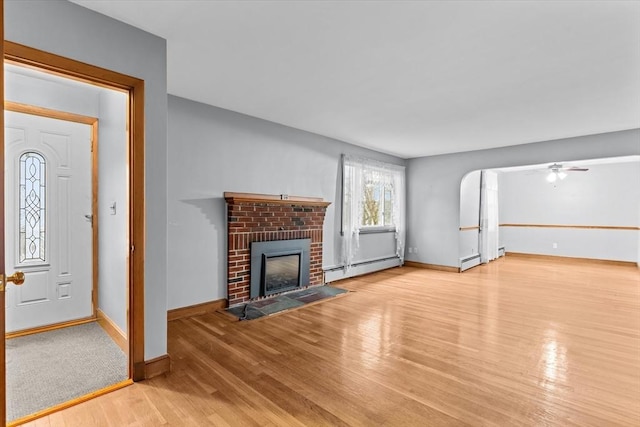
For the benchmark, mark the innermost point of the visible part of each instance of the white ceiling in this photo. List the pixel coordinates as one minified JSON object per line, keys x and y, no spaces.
{"x":408,"y":78}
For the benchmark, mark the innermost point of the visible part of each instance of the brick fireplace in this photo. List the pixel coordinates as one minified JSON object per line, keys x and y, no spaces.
{"x":264,"y":218}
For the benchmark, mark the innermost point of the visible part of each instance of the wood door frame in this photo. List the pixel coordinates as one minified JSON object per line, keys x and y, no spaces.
{"x":3,"y":378}
{"x":93,"y":122}
{"x":134,"y":87}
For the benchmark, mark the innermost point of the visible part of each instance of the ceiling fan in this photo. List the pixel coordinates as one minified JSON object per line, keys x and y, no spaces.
{"x":559,"y":171}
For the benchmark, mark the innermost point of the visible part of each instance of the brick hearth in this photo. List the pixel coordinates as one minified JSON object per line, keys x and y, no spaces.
{"x":262,"y":217}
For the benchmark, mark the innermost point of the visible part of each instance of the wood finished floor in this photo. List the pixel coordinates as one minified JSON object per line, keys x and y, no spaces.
{"x":517,"y":342}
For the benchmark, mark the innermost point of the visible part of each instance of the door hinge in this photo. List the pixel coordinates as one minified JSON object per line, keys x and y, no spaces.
{"x":133,"y":248}
{"x":1,"y":282}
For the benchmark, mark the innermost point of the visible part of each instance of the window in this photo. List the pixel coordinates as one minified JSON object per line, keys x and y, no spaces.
{"x":377,"y":197}
{"x":32,"y":207}
{"x":373,"y":200}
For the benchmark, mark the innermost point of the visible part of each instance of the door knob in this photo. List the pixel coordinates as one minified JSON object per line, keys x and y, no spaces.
{"x":16,"y":278}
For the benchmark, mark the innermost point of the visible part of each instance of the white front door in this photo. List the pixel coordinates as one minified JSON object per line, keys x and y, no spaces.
{"x":48,"y":197}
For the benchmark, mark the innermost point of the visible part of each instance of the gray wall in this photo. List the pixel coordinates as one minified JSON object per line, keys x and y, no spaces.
{"x":211,"y":151}
{"x":26,"y":87}
{"x":113,"y":227}
{"x":605,"y":195}
{"x":433,"y":194}
{"x":110,"y":107}
{"x":72,"y":31}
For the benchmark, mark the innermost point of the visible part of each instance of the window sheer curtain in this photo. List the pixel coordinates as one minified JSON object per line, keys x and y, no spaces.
{"x":488,"y":216}
{"x":355,"y":172}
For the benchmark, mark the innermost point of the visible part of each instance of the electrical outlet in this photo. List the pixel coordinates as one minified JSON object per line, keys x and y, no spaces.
{"x":410,"y":250}
{"x":415,"y":250}
{"x":555,"y":245}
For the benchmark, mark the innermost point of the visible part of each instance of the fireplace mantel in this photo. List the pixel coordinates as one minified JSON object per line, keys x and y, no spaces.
{"x":233,"y":198}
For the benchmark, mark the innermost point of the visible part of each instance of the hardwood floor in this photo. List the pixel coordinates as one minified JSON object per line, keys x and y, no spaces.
{"x":517,"y":342}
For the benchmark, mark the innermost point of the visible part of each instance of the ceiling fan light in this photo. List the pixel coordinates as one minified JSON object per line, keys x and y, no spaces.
{"x":552,"y":177}
{"x":562,"y":175}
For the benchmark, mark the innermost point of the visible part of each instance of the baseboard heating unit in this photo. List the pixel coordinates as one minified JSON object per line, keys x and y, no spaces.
{"x":473,"y":260}
{"x":331,"y":274}
{"x":469,"y":261}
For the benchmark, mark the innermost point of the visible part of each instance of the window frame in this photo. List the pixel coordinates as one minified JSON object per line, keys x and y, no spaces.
{"x":366,"y":229}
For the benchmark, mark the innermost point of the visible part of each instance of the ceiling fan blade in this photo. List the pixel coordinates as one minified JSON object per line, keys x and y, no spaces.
{"x":576,"y":169}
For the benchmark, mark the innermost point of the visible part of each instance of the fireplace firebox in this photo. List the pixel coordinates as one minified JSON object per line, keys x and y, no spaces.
{"x":278,"y":266}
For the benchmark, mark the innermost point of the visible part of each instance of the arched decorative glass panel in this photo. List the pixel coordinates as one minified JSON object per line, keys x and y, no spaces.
{"x":32,"y":236}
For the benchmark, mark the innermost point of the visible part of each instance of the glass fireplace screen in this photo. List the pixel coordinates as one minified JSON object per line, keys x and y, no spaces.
{"x":281,"y":273}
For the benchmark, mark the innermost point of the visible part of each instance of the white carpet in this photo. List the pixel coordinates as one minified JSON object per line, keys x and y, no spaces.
{"x":53,"y":367}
